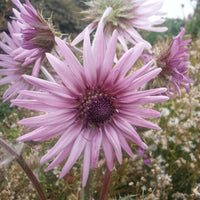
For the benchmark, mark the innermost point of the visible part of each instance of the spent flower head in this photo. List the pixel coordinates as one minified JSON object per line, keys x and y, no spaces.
{"x":96,"y":105}
{"x":126,"y":16}
{"x":174,"y":62}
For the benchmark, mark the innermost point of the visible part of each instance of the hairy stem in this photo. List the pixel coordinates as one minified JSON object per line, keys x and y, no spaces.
{"x":25,"y":167}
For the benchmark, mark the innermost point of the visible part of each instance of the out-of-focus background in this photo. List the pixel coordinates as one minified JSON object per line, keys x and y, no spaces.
{"x":169,"y":170}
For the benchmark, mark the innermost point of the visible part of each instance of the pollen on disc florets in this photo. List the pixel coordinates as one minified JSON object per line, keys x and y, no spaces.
{"x":96,"y":107}
{"x":119,"y":17}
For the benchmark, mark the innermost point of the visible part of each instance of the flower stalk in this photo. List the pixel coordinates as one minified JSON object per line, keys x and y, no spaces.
{"x":105,"y":184}
{"x":25,"y":167}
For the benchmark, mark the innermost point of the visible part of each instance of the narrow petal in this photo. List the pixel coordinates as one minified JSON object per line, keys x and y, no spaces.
{"x":114,"y":140}
{"x":95,"y":147}
{"x":76,"y":151}
{"x":70,"y":59}
{"x":63,"y":142}
{"x":64,"y":73}
{"x":99,"y":47}
{"x":124,"y":144}
{"x":86,"y":163}
{"x":60,"y":157}
{"x":128,"y":129}
{"x":88,"y":60}
{"x":108,"y":152}
{"x":47,"y":85}
{"x":109,"y":55}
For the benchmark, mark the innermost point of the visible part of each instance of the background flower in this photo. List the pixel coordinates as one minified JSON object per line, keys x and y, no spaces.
{"x":126,"y":16}
{"x":36,"y":33}
{"x":174,"y":63}
{"x":12,"y":70}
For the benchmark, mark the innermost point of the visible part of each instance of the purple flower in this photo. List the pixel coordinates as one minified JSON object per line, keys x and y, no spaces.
{"x":140,"y":152}
{"x":147,"y":161}
{"x":12,"y":70}
{"x":96,"y":106}
{"x":36,"y":33}
{"x":125,"y":16}
{"x":30,"y":38}
{"x":174,"y":63}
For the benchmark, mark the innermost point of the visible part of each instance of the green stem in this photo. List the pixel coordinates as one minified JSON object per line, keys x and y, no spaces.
{"x":25,"y":167}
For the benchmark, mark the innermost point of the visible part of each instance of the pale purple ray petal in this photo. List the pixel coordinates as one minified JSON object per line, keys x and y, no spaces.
{"x":108,"y":152}
{"x":86,"y":163}
{"x":64,"y":73}
{"x":33,"y":105}
{"x":139,"y":94}
{"x":80,"y":37}
{"x":9,"y":41}
{"x":88,"y":60}
{"x":98,"y":47}
{"x":60,"y":157}
{"x":109,"y":55}
{"x":76,"y":151}
{"x":145,"y":78}
{"x":9,"y":79}
{"x":123,"y":142}
{"x":114,"y":140}
{"x":59,"y":116}
{"x":70,"y":59}
{"x":7,"y":71}
{"x":6,"y":64}
{"x":150,"y":99}
{"x":123,"y":42}
{"x":51,"y":87}
{"x":140,"y":111}
{"x":136,"y":36}
{"x":127,"y":61}
{"x":13,"y":90}
{"x":37,"y":66}
{"x":63,"y":141}
{"x":45,"y":131}
{"x":95,"y":147}
{"x":20,"y":6}
{"x":126,"y":128}
{"x":128,"y":80}
{"x":47,"y":98}
{"x":138,"y":121}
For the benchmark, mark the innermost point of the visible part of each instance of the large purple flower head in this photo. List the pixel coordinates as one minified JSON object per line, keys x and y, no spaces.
{"x":174,"y":63}
{"x":96,"y":105}
{"x":126,"y":16}
{"x":37,"y":35}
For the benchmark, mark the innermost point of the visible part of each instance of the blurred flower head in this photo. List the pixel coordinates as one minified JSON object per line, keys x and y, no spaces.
{"x":96,"y":106}
{"x":30,"y":37}
{"x":36,"y":33}
{"x":12,"y":70}
{"x":174,"y":63}
{"x":125,"y":16}
{"x":142,"y":153}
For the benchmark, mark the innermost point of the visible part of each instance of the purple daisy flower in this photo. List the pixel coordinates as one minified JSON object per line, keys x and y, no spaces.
{"x":174,"y":63}
{"x":96,"y":106}
{"x":126,"y":16}
{"x":36,"y":33}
